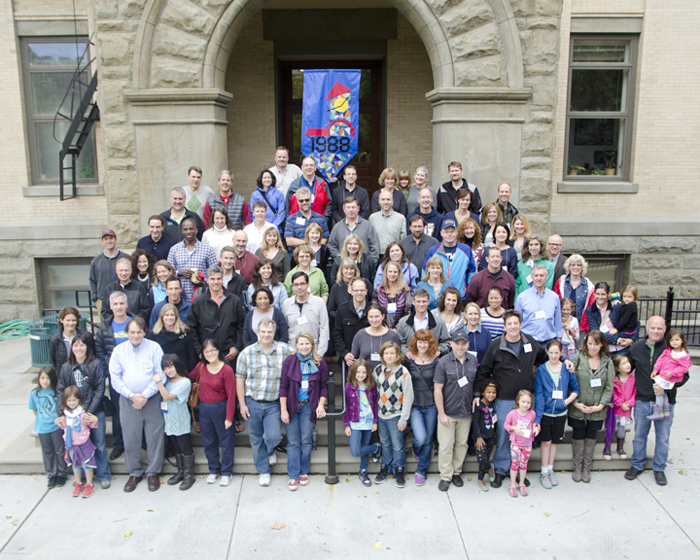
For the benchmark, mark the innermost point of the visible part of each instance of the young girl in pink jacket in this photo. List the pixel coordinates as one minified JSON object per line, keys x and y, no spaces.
{"x":670,"y":369}
{"x":624,"y":399}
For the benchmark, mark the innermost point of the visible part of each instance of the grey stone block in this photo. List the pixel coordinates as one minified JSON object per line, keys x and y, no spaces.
{"x":190,"y":18}
{"x":177,"y":43}
{"x":691,"y":262}
{"x":486,"y":71}
{"x":477,"y":43}
{"x":648,"y":262}
{"x":601,"y":244}
{"x":10,"y":249}
{"x":122,"y":187}
{"x":667,"y":245}
{"x":119,"y":141}
{"x":548,"y":7}
{"x":115,"y":49}
{"x":465,"y":16}
{"x":131,"y":8}
{"x":175,"y":73}
{"x":106,"y":9}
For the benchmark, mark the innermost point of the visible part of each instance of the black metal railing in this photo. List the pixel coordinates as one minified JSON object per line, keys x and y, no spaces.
{"x":681,"y":313}
{"x":331,"y":417}
{"x":80,"y":305}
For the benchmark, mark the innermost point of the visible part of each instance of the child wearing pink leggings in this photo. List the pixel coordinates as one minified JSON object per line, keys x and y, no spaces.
{"x":520,"y":423}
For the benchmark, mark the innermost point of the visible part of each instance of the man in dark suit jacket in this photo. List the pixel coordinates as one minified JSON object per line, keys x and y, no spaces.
{"x":557,"y":258}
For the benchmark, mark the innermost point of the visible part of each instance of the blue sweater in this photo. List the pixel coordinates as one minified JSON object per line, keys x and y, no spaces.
{"x":544,"y":385}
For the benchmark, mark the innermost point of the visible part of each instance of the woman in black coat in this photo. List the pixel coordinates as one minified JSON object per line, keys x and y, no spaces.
{"x":68,"y":321}
{"x":173,"y":336}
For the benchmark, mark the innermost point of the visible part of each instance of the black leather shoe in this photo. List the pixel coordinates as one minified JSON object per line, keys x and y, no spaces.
{"x":130,"y":485}
{"x":457,"y":480}
{"x":632,"y":473}
{"x":660,"y":478}
{"x":153,"y":483}
{"x":444,"y":485}
{"x":497,"y":480}
{"x":116,"y":453}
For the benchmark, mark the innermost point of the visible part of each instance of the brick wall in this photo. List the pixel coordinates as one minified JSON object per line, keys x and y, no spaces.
{"x":409,"y":137}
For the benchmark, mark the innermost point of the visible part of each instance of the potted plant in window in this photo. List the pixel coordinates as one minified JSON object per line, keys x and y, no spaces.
{"x":574,"y":169}
{"x":610,"y":159}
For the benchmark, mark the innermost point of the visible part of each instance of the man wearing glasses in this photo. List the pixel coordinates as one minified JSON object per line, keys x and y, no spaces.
{"x":296,"y":225}
{"x":557,"y":260}
{"x":305,"y":312}
{"x":350,"y":318}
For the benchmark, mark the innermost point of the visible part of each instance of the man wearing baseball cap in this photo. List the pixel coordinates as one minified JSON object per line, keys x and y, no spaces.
{"x":454,"y":390}
{"x":103,"y":268}
{"x":457,"y":259}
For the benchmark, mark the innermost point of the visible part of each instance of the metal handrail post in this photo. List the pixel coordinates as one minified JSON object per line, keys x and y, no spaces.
{"x":331,"y":475}
{"x":669,"y":306}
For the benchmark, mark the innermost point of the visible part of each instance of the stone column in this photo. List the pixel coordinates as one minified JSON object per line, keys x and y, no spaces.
{"x":174,"y":129}
{"x":482,"y":128}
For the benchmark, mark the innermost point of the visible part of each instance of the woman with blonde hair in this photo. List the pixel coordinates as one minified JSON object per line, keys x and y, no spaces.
{"x":434,"y":281}
{"x":519,"y":230}
{"x":173,"y":336}
{"x":393,"y":295}
{"x":303,"y":395}
{"x":272,"y":249}
{"x":490,"y":216}
{"x":322,"y":259}
{"x":341,"y":290}
{"x":389,"y":182}
{"x":354,"y":248}
{"x":479,"y":337}
{"x":575,"y":286}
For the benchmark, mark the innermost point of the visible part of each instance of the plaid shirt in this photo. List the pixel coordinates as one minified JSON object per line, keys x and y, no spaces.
{"x":261,"y":371}
{"x":201,"y":258}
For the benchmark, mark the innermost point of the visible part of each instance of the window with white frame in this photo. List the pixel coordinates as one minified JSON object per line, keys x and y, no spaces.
{"x":600,"y":104}
{"x":48,"y":65}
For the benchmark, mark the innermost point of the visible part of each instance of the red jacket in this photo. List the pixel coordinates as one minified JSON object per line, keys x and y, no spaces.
{"x":321,"y":202}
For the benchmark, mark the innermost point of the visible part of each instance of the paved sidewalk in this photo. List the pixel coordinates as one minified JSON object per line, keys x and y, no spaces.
{"x":608,"y":518}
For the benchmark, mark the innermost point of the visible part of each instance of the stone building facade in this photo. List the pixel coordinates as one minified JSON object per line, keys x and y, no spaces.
{"x":185,"y":82}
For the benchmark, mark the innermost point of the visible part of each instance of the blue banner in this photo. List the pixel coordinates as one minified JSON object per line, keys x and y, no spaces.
{"x":330,"y":118}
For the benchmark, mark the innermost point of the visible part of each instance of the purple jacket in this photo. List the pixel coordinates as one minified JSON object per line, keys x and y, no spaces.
{"x":290,"y":384}
{"x":352,"y":396}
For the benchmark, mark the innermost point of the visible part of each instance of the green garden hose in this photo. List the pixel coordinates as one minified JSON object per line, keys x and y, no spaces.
{"x":14,"y":329}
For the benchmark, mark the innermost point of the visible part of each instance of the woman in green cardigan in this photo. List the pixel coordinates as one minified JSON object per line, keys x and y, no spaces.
{"x":596,"y":375}
{"x":317,"y":280}
{"x":534,"y":252}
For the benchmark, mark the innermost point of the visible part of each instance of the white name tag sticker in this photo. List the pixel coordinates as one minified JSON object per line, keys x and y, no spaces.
{"x":527,"y":348}
{"x":305,"y":384}
{"x":604,"y":328}
{"x":462,"y":381}
{"x":164,"y":406}
{"x":471,"y":352}
{"x":374,"y":357}
{"x":557,"y":394}
{"x":301,"y":221}
{"x":314,"y":263}
{"x":596,"y":382}
{"x":505,"y":268}
{"x":391,"y":308}
{"x":237,"y":271}
{"x":302,"y":320}
{"x":526,"y":433}
{"x":529,"y":279}
{"x":540,"y":314}
{"x":494,"y":417}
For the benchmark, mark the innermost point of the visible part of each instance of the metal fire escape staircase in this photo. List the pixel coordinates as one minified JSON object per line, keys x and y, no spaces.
{"x":82,"y":113}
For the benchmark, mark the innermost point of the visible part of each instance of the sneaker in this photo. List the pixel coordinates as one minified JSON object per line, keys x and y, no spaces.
{"x":264,"y":479}
{"x":225,"y":481}
{"x":483,"y":486}
{"x":272,"y":459}
{"x":415,"y":456}
{"x":88,"y":490}
{"x":105,"y":484}
{"x":545,"y":482}
{"x":444,"y":485}
{"x":632,"y":473}
{"x":621,"y":449}
{"x":211,"y":479}
{"x":77,"y":490}
{"x":523,"y":490}
{"x":512,"y":491}
{"x":51,"y":482}
{"x":400,"y":477}
{"x":606,"y":453}
{"x":303,"y":479}
{"x":553,"y":479}
{"x":60,"y":481}
{"x":364,"y":478}
{"x":497,"y":481}
{"x":660,"y":478}
{"x":293,"y":485}
{"x":377,"y":453}
{"x":383,"y":474}
{"x":420,"y":480}
{"x":457,"y":480}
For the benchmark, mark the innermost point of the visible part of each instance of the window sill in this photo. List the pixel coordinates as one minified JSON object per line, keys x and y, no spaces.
{"x":593,"y":187}
{"x":53,"y":190}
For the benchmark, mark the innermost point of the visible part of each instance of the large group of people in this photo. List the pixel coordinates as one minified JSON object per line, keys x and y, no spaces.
{"x":440,"y":308}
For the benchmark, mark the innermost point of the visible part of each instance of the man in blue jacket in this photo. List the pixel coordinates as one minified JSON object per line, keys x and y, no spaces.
{"x":457,"y":259}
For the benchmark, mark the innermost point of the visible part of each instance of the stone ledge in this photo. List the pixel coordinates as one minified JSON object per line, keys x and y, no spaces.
{"x":54,"y":190}
{"x":43,"y":231}
{"x":604,"y":187}
{"x":176,"y":95}
{"x":618,"y":226}
{"x":514,"y":95}
{"x":607,"y":23}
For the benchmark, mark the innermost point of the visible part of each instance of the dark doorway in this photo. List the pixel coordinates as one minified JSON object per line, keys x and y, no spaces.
{"x":370,"y":157}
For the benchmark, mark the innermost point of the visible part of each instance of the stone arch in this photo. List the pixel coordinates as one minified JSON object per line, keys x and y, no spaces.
{"x":238,"y":13}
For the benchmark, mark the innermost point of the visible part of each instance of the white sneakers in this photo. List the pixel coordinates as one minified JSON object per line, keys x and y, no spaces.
{"x":272,"y":459}
{"x":211,"y":479}
{"x":264,"y":480}
{"x":225,"y":481}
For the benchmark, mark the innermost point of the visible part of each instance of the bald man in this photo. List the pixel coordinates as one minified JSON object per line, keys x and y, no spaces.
{"x":557,"y":259}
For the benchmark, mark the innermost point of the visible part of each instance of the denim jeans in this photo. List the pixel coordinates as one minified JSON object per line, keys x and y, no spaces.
{"x":214,"y":433}
{"x":423,"y":422}
{"x":360,"y":446}
{"x":501,"y":458}
{"x":662,"y":431}
{"x":299,"y":432}
{"x":97,"y":436}
{"x":264,"y":431}
{"x":393,"y":445}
